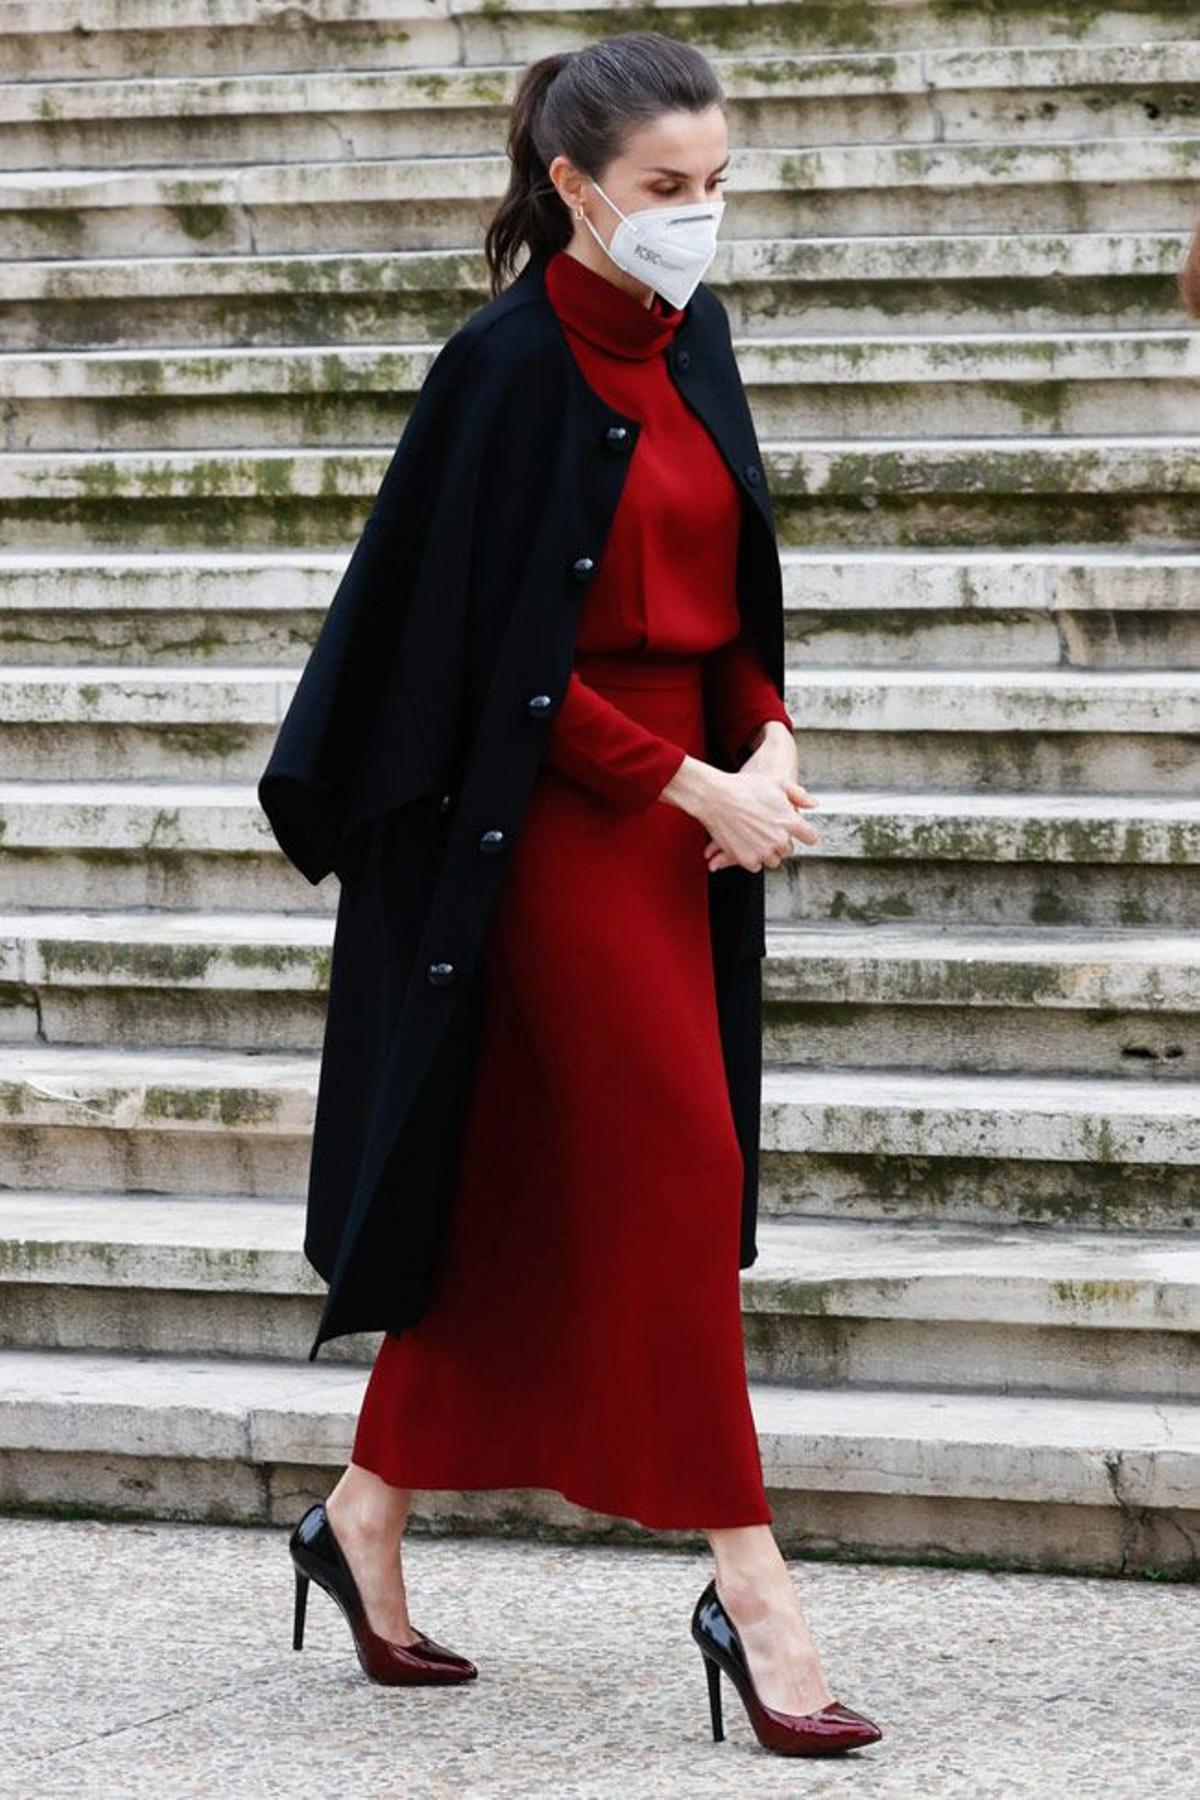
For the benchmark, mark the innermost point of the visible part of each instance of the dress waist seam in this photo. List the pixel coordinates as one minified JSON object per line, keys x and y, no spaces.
{"x":639,"y":668}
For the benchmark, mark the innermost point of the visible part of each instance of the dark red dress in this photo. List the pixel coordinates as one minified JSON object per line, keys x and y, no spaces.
{"x":584,"y":1332}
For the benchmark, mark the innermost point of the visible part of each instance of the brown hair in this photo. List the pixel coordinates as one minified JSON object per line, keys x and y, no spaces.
{"x":1189,"y":276}
{"x":582,"y":104}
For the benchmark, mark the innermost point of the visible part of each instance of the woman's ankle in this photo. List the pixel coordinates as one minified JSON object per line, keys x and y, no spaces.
{"x":367,"y":1505}
{"x":749,"y":1565}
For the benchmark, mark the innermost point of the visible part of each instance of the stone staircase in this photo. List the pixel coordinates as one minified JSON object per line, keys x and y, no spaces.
{"x":949,"y":262}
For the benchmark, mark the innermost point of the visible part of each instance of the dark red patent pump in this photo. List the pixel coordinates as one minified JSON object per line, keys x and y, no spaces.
{"x":318,"y":1557}
{"x":831,"y":1728}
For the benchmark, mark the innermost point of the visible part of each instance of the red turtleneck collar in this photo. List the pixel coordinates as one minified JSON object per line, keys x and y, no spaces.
{"x":605,"y":314}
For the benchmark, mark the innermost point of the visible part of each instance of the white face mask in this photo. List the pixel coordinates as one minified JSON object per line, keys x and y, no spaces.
{"x":667,"y":247}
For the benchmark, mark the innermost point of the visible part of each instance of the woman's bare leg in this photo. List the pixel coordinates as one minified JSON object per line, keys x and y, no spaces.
{"x":756,"y":1590}
{"x":368,"y":1518}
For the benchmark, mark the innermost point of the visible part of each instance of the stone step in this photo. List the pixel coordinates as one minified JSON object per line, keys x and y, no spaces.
{"x":975,"y":490}
{"x":906,"y":385}
{"x":185,"y":845}
{"x":1077,"y":581}
{"x":229,"y":607}
{"x":1039,"y":1000}
{"x":862,"y":492}
{"x":444,"y":201}
{"x":238,"y":980}
{"x":1124,"y":606}
{"x":909,"y":96}
{"x":849,"y":1142}
{"x":1128,"y":731}
{"x":983,"y":858}
{"x":158,"y":723}
{"x":1004,"y":1309}
{"x":934,"y":281}
{"x":1044,"y":998}
{"x":1053,"y":1150}
{"x":991,"y":858}
{"x":1027,"y":281}
{"x":978,"y":384}
{"x":156,"y":1120}
{"x":1065,"y":730}
{"x":869,"y":609}
{"x":1060,"y":1476}
{"x":141,"y":38}
{"x":829,"y":1301}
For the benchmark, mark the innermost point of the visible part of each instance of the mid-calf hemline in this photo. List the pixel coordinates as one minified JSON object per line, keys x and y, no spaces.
{"x":575,"y":1496}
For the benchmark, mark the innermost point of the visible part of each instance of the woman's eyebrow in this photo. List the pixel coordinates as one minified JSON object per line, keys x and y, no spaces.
{"x":657,"y":169}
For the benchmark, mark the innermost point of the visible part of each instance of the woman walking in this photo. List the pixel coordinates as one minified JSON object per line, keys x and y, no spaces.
{"x":582,"y":1326}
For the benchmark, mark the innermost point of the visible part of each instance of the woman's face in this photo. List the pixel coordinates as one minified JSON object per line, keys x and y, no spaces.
{"x":678,"y":159}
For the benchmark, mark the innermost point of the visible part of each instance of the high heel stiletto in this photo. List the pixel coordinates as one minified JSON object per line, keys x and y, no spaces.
{"x":318,"y":1557}
{"x":831,"y":1728}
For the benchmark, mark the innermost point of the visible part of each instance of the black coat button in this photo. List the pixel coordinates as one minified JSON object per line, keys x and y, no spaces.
{"x":753,"y":474}
{"x":683,"y":360}
{"x":441,"y":974}
{"x":617,"y":437}
{"x":491,"y":841}
{"x":444,"y":803}
{"x":539,"y":706}
{"x":582,"y":568}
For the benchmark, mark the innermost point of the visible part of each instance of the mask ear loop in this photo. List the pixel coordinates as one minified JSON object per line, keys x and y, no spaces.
{"x":580,"y":214}
{"x":611,"y":204}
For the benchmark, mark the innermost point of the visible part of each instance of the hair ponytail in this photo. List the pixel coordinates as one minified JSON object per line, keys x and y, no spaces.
{"x":531,"y":212}
{"x":582,"y":104}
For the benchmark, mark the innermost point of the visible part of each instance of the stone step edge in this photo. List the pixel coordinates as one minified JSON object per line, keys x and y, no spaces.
{"x":39,"y":18}
{"x":828,"y":581}
{"x":1027,"y":969}
{"x":815,"y":467}
{"x":939,"y":1273}
{"x":840,"y":74}
{"x":944,"y":442}
{"x":828,"y":1111}
{"x":1049,"y":968}
{"x":302,"y":372}
{"x":257,"y":677}
{"x":885,"y":167}
{"x":769,"y":260}
{"x":1070,"y":830}
{"x":923,"y":803}
{"x":187,"y":928}
{"x":14,"y":563}
{"x":826,"y":697}
{"x":937,"y":1442}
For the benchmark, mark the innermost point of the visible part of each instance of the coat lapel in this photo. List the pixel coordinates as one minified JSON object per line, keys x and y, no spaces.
{"x":705,"y":372}
{"x":702,"y":366}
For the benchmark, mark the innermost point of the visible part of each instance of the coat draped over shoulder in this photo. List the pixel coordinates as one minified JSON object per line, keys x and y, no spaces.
{"x":407,"y":754}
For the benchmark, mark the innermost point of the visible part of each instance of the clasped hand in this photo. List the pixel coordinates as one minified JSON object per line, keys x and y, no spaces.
{"x":754,"y":813}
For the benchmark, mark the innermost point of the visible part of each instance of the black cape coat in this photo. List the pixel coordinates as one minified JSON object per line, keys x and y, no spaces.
{"x":407,"y":754}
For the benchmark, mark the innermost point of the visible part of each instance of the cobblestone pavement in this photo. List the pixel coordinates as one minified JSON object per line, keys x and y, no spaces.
{"x":155,"y":1659}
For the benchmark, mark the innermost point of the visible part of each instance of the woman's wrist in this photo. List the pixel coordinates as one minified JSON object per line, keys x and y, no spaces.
{"x":773,"y":748}
{"x":691,"y":785}
{"x":772,"y":731}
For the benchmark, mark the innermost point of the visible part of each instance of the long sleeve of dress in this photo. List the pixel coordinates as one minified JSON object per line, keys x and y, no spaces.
{"x":595,"y":743}
{"x":739,"y":694}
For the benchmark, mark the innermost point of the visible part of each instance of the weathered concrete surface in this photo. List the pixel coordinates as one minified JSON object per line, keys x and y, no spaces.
{"x":156,"y":1659}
